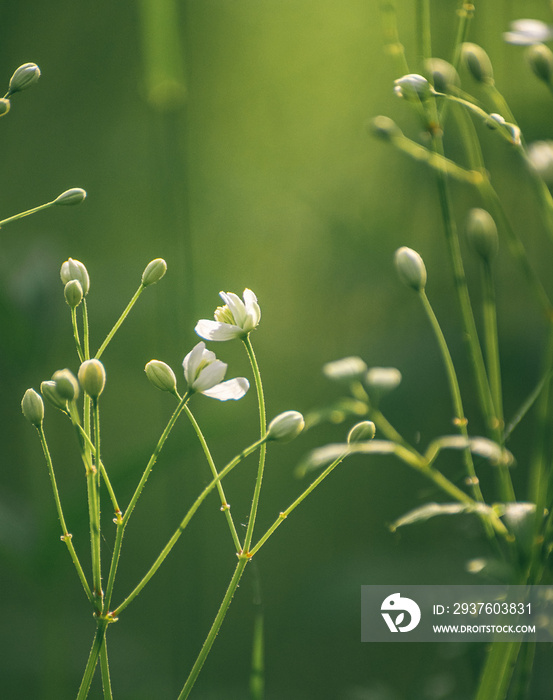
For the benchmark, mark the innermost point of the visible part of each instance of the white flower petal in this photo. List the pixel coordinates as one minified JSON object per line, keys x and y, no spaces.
{"x":231,"y":389}
{"x":192,"y":361}
{"x":213,"y":330}
{"x":211,"y":374}
{"x":253,"y":311}
{"x":236,"y":306}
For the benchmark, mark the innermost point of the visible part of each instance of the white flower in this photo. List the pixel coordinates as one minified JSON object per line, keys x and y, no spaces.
{"x":234,"y":320}
{"x":204,"y":373}
{"x":525,"y":32}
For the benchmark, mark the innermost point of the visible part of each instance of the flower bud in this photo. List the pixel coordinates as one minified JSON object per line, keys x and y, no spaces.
{"x":382,"y":380}
{"x":73,"y":293}
{"x":67,"y":385}
{"x":161,"y":376}
{"x":444,"y":76}
{"x":75,"y":195}
{"x":413,"y":87}
{"x":540,"y":59}
{"x":51,"y":394}
{"x":384,"y":127}
{"x":75,"y":270}
{"x":286,"y":426}
{"x":5,"y":105}
{"x":410,"y":268}
{"x":482,"y":233}
{"x":365,"y":430}
{"x":92,"y":377}
{"x":478,"y":63}
{"x":24,"y":76}
{"x":348,"y":369}
{"x":540,"y":157}
{"x":33,"y":407}
{"x":154,"y":271}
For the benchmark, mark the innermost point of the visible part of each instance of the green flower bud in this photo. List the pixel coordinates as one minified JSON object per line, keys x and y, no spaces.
{"x":382,"y":380}
{"x":365,"y":430}
{"x":75,"y":270}
{"x":67,"y":385}
{"x":478,"y":63}
{"x":24,"y":76}
{"x":385,"y":128}
{"x":51,"y":394}
{"x":410,"y":268}
{"x":482,"y":233}
{"x":75,"y":195}
{"x":73,"y":293}
{"x":161,"y":376}
{"x":286,"y":426}
{"x":154,"y":271}
{"x":33,"y":407}
{"x":5,"y":105}
{"x":348,"y":369}
{"x":444,"y":76}
{"x":92,"y":377}
{"x":540,"y":58}
{"x":413,"y":87}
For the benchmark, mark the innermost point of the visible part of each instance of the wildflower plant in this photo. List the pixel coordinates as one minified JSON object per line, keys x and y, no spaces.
{"x":517,"y":523}
{"x":77,"y":393}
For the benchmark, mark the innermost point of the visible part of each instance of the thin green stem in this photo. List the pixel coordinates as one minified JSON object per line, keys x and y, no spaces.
{"x":516,"y":247}
{"x":22,"y":214}
{"x":425,"y":33}
{"x":206,"y":648}
{"x":491,"y":340}
{"x":465,"y":14}
{"x":393,"y":45}
{"x":66,"y":535}
{"x":123,"y":522}
{"x":285,"y":513}
{"x":95,"y":549}
{"x":76,"y":333}
{"x":184,"y":523}
{"x":262,"y":449}
{"x":104,"y":668}
{"x":97,"y":644}
{"x":119,"y":321}
{"x":498,"y":670}
{"x":86,"y":340}
{"x":469,"y":324}
{"x":97,"y":452}
{"x":225,"y":506}
{"x":460,"y":419}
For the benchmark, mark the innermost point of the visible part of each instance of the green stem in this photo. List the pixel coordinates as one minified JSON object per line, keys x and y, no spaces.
{"x":491,"y":340}
{"x":86,"y":341}
{"x":460,"y":419}
{"x":184,"y":523}
{"x":225,"y":506}
{"x":97,"y":644}
{"x":104,"y":668}
{"x":206,"y":648}
{"x":122,"y":522}
{"x":465,"y":14}
{"x":498,"y":670}
{"x":66,"y":535}
{"x":76,"y":333}
{"x":22,"y":214}
{"x":94,"y":518}
{"x":263,"y":448}
{"x":285,"y":513}
{"x":119,"y":321}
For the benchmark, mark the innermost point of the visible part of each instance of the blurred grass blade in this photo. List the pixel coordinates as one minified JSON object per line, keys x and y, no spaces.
{"x":164,"y":64}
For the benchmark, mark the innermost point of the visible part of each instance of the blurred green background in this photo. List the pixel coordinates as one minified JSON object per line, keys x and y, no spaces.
{"x":229,"y":137}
